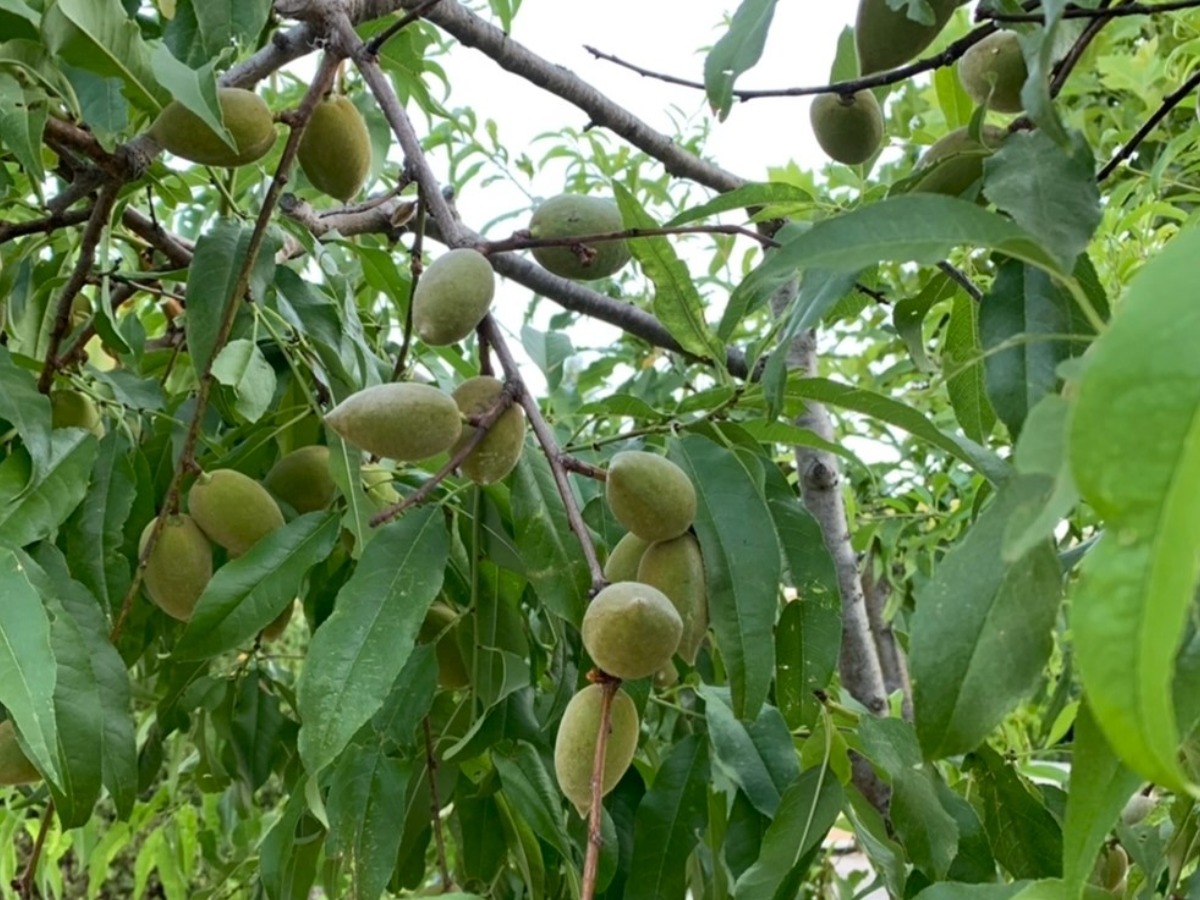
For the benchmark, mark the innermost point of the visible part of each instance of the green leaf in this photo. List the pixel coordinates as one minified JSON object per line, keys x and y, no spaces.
{"x":98,"y":36}
{"x":1049,"y":192}
{"x":758,"y":757}
{"x":241,"y":366}
{"x":676,"y":302}
{"x":31,"y":508}
{"x":981,"y":633}
{"x":528,"y":785}
{"x":963,"y":363}
{"x":290,"y":850}
{"x":741,"y":563}
{"x":908,"y":316}
{"x":554,"y":563}
{"x":893,"y":412}
{"x":246,"y":594}
{"x":1025,"y":836}
{"x":548,"y":350}
{"x":356,"y":654}
{"x":806,"y":813}
{"x":1100,"y":787}
{"x":22,"y":119}
{"x":18,"y":20}
{"x":210,"y":27}
{"x":738,"y":51}
{"x":668,"y":823}
{"x":1048,"y":488}
{"x":27,"y":667}
{"x":25,"y":408}
{"x":196,"y":89}
{"x":807,"y":641}
{"x":954,"y":891}
{"x":252,"y":723}
{"x":1038,"y":45}
{"x":809,"y":567}
{"x":748,"y":195}
{"x":1135,"y":454}
{"x":366,"y":789}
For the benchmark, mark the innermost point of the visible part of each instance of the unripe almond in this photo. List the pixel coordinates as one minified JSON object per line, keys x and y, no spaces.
{"x":452,"y":296}
{"x":500,"y":450}
{"x":301,"y":479}
{"x":575,"y":744}
{"x":71,"y":409}
{"x":993,"y":72}
{"x":401,"y":421}
{"x":15,"y":767}
{"x":676,"y":568}
{"x":233,"y":509}
{"x":650,"y":495}
{"x":631,"y":630}
{"x":335,"y":149}
{"x":955,"y":161}
{"x":179,"y":568}
{"x":441,"y":622}
{"x":571,"y":215}
{"x":622,"y":563}
{"x":246,"y":117}
{"x":886,"y":37}
{"x":848,"y":128}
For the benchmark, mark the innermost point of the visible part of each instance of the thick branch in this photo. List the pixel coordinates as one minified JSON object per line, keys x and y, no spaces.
{"x":1079,"y":12}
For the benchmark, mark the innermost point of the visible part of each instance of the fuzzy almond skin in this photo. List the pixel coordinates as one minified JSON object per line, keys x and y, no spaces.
{"x":233,"y":509}
{"x":631,"y":630}
{"x":301,"y":479}
{"x":71,"y":409}
{"x":955,"y":161}
{"x":993,"y":72}
{"x":568,"y":215}
{"x":452,"y":668}
{"x":886,"y":38}
{"x":650,"y":495}
{"x":500,"y":450}
{"x":335,"y":149}
{"x":402,"y":421}
{"x":849,"y":129}
{"x":676,"y":568}
{"x":452,"y":297}
{"x":15,"y":767}
{"x":246,"y":117}
{"x":622,"y":563}
{"x":575,"y":744}
{"x":179,"y":567}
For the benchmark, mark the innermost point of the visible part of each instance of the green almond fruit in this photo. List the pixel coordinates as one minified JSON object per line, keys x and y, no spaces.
{"x":500,"y":450}
{"x":234,"y":510}
{"x":994,"y":72}
{"x":402,"y":421}
{"x":277,"y":626}
{"x":676,"y":568}
{"x":301,"y":479}
{"x":452,"y":296}
{"x":179,"y":568}
{"x":622,"y":563}
{"x":886,"y":38}
{"x":15,"y":767}
{"x":575,"y":744}
{"x":71,"y":409}
{"x":571,"y":215}
{"x":246,"y":117}
{"x":848,"y":128}
{"x":441,"y":623}
{"x":955,"y":162}
{"x":335,"y":149}
{"x":631,"y":630}
{"x":379,"y":485}
{"x":650,"y":495}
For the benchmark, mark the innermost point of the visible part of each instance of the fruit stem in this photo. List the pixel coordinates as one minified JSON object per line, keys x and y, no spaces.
{"x":416,"y":268}
{"x":24,"y":885}
{"x":591,"y":862}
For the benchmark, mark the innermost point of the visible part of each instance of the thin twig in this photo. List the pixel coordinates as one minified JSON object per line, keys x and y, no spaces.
{"x":591,"y":861}
{"x":52,"y":222}
{"x":24,"y":885}
{"x":1079,"y":12}
{"x":435,"y":808}
{"x":1067,"y":64}
{"x":416,"y":267}
{"x":1169,"y":103}
{"x":579,"y":467}
{"x":959,"y":277}
{"x":523,"y":240}
{"x":392,"y":30}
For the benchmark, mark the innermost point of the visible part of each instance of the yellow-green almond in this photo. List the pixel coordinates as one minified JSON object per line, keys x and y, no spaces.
{"x":955,"y":161}
{"x":622,"y":563}
{"x":452,"y":296}
{"x":887,"y":37}
{"x":631,"y":629}
{"x":335,"y":149}
{"x":402,"y":421}
{"x":676,"y":568}
{"x":234,"y":510}
{"x":994,"y":72}
{"x":378,"y":484}
{"x":179,"y":568}
{"x":246,"y":117}
{"x":301,"y":479}
{"x":500,"y":450}
{"x":441,"y":622}
{"x":849,"y":128}
{"x":575,"y":744}
{"x":571,"y":215}
{"x":277,"y":626}
{"x":15,"y":767}
{"x":71,"y":409}
{"x":650,"y":495}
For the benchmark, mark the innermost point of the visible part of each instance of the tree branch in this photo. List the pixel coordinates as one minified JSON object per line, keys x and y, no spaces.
{"x":1169,"y":103}
{"x":591,"y":861}
{"x":435,"y":808}
{"x":1079,"y":12}
{"x":11,"y":230}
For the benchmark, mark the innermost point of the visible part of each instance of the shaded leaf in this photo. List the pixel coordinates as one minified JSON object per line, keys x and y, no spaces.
{"x":963,"y":364}
{"x":34,"y":503}
{"x":758,"y":757}
{"x":366,"y":789}
{"x":1025,"y":836}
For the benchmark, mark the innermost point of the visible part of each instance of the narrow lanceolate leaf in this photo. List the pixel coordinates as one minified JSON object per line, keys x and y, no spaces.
{"x":738,"y":50}
{"x":241,"y":366}
{"x":25,"y":408}
{"x":758,"y":757}
{"x":248,"y":593}
{"x":962,"y":362}
{"x":91,"y":696}
{"x":1135,"y":454}
{"x":27,"y":670}
{"x":741,"y":562}
{"x":1025,"y":836}
{"x":527,"y":784}
{"x":359,"y":650}
{"x":676,"y":303}
{"x":806,"y":813}
{"x":366,"y":790}
{"x":806,"y":651}
{"x":668,"y":823}
{"x":981,"y":633}
{"x":33,"y":504}
{"x":1100,"y":787}
{"x":759,"y":194}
